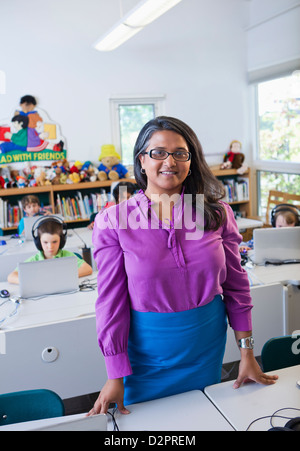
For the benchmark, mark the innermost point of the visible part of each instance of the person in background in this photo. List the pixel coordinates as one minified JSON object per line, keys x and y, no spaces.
{"x":122,"y":191}
{"x":285,"y":215}
{"x":31,"y":207}
{"x":164,"y":297}
{"x":50,"y":240}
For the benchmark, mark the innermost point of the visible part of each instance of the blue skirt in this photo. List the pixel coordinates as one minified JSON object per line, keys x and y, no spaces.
{"x":172,"y":353}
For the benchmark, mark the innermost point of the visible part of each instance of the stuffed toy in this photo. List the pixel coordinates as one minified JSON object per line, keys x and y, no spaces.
{"x":76,"y":167}
{"x":40,"y":176}
{"x":2,"y":182}
{"x":89,"y":172}
{"x":74,"y":177}
{"x":234,"y":159}
{"x":110,"y":167}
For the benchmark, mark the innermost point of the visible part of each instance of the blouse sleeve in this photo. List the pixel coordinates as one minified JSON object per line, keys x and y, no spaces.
{"x":236,"y":289}
{"x":112,"y":305}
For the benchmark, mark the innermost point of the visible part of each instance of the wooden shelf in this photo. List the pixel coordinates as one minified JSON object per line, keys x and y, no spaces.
{"x":53,"y":190}
{"x":244,"y":205}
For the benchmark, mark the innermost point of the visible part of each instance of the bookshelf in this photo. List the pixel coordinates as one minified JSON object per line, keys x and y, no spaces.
{"x":238,"y":189}
{"x":74,"y":211}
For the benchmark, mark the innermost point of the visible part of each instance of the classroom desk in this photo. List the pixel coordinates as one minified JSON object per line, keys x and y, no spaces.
{"x":289,"y":277}
{"x":51,"y":343}
{"x":190,"y":411}
{"x":268,"y":302}
{"x":276,"y":305}
{"x":251,"y":401}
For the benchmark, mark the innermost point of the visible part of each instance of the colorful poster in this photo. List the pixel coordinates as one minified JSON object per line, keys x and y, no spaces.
{"x":30,"y":135}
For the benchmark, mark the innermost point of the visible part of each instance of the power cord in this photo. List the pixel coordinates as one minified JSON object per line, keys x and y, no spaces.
{"x":112,"y":414}
{"x":273,"y":416}
{"x":15,"y":300}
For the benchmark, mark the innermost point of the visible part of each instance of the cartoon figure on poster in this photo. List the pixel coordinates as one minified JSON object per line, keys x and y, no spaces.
{"x":29,"y":130}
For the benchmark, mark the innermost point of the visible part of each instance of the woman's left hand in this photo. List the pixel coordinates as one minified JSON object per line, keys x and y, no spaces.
{"x":249,"y":370}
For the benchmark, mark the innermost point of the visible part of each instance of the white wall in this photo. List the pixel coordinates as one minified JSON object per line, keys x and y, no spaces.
{"x":195,"y":55}
{"x":274,"y":32}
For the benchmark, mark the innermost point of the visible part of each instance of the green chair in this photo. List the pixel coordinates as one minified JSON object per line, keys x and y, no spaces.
{"x":280,"y":353}
{"x":29,"y":405}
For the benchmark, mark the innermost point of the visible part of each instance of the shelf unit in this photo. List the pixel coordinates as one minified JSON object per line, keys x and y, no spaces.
{"x":49,"y":194}
{"x":243,"y":206}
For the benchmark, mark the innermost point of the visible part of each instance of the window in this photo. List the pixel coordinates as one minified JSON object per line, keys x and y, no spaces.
{"x":128,"y":116}
{"x":278,"y":133}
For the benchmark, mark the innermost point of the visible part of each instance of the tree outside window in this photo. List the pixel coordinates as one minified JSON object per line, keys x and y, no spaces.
{"x":278,"y":134}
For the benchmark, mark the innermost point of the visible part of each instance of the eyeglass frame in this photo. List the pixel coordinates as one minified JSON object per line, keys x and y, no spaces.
{"x":169,"y":153}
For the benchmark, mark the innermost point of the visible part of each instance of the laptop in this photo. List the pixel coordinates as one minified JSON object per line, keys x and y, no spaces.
{"x":47,"y":277}
{"x":276,"y":245}
{"x":30,"y":221}
{"x":28,"y":224}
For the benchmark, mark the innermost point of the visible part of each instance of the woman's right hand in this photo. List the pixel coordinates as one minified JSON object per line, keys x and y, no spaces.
{"x":113,"y":391}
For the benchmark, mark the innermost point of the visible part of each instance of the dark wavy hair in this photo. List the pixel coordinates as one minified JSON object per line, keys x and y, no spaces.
{"x":200,"y":181}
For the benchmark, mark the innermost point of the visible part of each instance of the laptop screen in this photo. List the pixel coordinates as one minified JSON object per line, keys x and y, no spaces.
{"x":47,"y":277}
{"x":276,"y":244}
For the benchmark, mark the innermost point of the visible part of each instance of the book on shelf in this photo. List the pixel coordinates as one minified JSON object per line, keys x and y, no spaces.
{"x":10,"y":215}
{"x":236,"y":190}
{"x":78,"y":206}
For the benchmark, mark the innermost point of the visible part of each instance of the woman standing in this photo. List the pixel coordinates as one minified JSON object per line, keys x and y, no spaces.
{"x":166,"y":284}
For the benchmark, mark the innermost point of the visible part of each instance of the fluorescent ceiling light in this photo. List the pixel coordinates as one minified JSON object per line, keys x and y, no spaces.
{"x":143,"y":14}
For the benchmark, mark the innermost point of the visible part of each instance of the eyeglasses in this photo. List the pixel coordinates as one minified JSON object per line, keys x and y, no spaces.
{"x":179,"y":155}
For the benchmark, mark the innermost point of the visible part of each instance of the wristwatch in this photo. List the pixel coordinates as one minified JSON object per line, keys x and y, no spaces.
{"x":246,"y":343}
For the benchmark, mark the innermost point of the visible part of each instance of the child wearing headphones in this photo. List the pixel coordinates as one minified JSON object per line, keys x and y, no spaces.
{"x":50,"y":237}
{"x":285,"y":215}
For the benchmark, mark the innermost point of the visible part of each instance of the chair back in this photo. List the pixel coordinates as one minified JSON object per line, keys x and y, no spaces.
{"x":279,"y":353}
{"x":29,"y":405}
{"x":277,"y":198}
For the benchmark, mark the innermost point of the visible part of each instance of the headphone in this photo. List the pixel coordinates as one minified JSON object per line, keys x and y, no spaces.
{"x":291,"y":425}
{"x":285,"y":207}
{"x":43,"y":220}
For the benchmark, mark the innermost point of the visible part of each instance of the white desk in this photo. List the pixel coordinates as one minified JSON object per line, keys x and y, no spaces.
{"x":65,"y":423}
{"x":251,"y":401}
{"x":66,"y":325}
{"x":190,"y":411}
{"x":289,"y":277}
{"x":268,"y":302}
{"x":247,"y":223}
{"x":276,"y":305}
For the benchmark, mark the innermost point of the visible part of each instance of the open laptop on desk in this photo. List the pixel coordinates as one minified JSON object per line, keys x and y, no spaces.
{"x":46,"y":277}
{"x":276,"y":245}
{"x":28,"y":223}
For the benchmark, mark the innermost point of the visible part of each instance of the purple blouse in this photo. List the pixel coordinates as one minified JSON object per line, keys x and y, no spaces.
{"x":149,"y":266}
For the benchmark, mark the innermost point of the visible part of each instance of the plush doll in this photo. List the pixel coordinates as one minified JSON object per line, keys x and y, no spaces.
{"x":76,"y":167}
{"x":234,"y":159}
{"x":40,"y":176}
{"x":2,"y":182}
{"x":110,"y":167}
{"x":74,"y":177}
{"x":89,"y":172}
{"x":21,"y":181}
